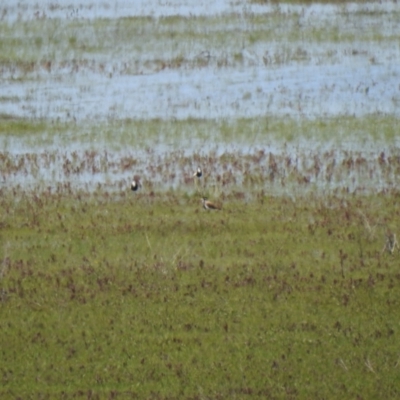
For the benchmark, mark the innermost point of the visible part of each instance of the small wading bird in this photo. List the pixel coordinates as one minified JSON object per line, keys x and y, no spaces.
{"x":208,"y":205}
{"x":135,"y":185}
{"x":198,"y":173}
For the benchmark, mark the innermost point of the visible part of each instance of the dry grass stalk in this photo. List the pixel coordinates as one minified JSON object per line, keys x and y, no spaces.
{"x":391,"y":243}
{"x":370,"y":230}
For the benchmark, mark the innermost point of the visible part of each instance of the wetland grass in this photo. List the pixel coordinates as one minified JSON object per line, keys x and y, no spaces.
{"x":243,"y":156}
{"x":203,"y":134}
{"x":105,"y":297}
{"x":36,"y":47}
{"x":106,"y":293}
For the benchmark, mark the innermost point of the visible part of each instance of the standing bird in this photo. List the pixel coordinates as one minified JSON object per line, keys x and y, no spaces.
{"x":208,"y":205}
{"x":135,"y":185}
{"x":198,"y":173}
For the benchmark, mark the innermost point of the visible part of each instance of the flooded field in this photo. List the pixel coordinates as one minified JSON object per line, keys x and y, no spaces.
{"x":292,"y":113}
{"x":275,"y":96}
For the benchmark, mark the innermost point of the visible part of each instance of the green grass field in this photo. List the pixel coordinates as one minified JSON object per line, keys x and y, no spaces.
{"x":139,"y":297}
{"x":288,"y":292}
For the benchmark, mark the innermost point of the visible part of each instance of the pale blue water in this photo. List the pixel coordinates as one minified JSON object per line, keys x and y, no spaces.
{"x":341,"y":78}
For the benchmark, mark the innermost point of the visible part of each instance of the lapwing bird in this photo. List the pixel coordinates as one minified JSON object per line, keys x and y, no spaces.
{"x":135,"y":185}
{"x":208,"y":205}
{"x":198,"y":173}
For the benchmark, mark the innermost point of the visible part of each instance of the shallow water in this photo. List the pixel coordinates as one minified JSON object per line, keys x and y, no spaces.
{"x":355,"y":77}
{"x":355,"y":73}
{"x":29,"y":9}
{"x":308,"y":91}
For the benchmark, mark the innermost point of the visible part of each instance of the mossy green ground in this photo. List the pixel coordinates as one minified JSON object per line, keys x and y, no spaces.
{"x":135,"y":295}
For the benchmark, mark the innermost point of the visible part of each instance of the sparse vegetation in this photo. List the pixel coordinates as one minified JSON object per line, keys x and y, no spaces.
{"x":290,"y":291}
{"x":150,"y":296}
{"x":179,"y":42}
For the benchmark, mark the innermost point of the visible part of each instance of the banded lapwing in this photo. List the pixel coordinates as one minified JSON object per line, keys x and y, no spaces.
{"x":208,"y":205}
{"x":198,"y":173}
{"x":135,"y":184}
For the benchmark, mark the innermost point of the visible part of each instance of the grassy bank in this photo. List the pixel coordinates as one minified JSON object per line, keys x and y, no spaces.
{"x":153,"y":297}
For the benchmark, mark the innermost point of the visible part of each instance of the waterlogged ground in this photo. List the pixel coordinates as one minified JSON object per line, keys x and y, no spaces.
{"x":292,"y":111}
{"x":103,"y":62}
{"x":85,"y":72}
{"x":238,"y":163}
